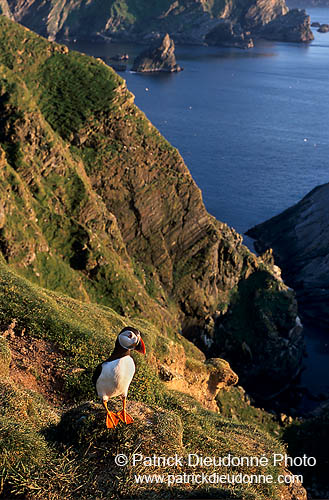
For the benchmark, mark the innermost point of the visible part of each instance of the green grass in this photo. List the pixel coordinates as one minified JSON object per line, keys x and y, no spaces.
{"x":73,"y":91}
{"x":85,"y":333}
{"x":79,"y":448}
{"x":5,"y":357}
{"x":180,"y":426}
{"x":235,"y":404}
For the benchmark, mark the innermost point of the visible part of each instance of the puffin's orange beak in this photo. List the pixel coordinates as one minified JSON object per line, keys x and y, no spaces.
{"x":140,"y":347}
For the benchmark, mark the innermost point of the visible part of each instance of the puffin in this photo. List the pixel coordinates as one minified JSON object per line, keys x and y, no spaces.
{"x":112,"y":377}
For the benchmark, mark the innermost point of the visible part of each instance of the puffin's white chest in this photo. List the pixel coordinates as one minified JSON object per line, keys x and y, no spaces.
{"x":115,"y":378}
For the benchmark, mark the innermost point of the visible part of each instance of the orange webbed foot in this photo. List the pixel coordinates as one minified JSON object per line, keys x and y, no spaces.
{"x":125,"y":417}
{"x":111,"y":420}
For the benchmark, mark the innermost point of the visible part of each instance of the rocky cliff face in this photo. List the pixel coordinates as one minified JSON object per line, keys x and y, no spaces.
{"x":187,"y":21}
{"x":160,"y":58}
{"x":229,"y":34}
{"x":293,"y":27}
{"x":262,"y":12}
{"x":96,"y":204}
{"x":300,"y":242}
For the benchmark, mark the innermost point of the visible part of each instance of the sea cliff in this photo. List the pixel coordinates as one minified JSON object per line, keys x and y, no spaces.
{"x":102,"y":226}
{"x":299,"y":238}
{"x":186,"y":21}
{"x":106,"y":209}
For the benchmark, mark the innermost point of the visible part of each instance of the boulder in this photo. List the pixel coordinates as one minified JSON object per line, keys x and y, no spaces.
{"x":324,"y":28}
{"x":159,"y":58}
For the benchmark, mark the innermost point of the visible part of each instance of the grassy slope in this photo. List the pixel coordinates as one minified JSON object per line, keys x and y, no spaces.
{"x":35,"y":445}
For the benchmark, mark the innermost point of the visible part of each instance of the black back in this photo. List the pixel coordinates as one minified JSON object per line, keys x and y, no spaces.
{"x":117,"y":353}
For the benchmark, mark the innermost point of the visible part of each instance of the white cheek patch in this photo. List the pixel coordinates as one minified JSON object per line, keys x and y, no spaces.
{"x":127,"y":342}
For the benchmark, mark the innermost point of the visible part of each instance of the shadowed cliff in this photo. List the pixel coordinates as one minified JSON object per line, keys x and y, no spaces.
{"x":299,"y":238}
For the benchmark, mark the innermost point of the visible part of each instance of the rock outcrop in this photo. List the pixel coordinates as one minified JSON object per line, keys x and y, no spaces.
{"x":159,"y":58}
{"x":261,"y":12}
{"x":228,"y":34}
{"x":186,"y":21}
{"x":299,"y":237}
{"x":324,"y":28}
{"x":4,"y":9}
{"x":264,"y":305}
{"x":292,"y":27}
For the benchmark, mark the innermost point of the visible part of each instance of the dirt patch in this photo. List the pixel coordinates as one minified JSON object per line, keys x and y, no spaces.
{"x":38,"y":365}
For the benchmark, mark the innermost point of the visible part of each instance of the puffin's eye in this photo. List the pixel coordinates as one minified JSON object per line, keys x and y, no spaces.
{"x":130,"y":335}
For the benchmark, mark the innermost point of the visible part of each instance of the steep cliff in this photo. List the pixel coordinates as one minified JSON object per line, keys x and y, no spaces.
{"x":102,"y":226}
{"x":187,"y":21}
{"x":293,"y":27}
{"x":300,"y":242}
{"x":96,"y":204}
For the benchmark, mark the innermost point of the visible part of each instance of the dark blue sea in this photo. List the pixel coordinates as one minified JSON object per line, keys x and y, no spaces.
{"x":253,"y":128}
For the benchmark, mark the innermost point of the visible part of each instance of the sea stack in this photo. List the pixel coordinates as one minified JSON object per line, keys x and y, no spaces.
{"x":159,"y":58}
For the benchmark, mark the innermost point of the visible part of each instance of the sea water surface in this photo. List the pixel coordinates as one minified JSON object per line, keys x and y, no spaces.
{"x":252,"y":127}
